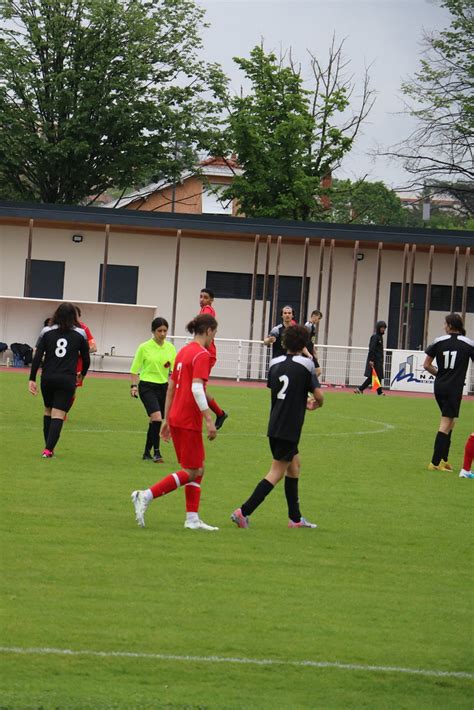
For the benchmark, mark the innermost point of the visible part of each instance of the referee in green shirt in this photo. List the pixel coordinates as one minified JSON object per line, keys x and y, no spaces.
{"x":153,"y":362}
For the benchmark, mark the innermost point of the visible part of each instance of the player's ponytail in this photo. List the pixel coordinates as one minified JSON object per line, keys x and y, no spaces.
{"x":455,"y":322}
{"x":200,"y":324}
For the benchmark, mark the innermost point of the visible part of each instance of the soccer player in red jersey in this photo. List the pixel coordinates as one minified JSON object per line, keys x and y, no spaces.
{"x":186,"y":406}
{"x":92,"y":349}
{"x":466,"y":472}
{"x":206,"y":299}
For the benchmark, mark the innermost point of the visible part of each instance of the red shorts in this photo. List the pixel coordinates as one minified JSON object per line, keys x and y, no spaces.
{"x":188,"y":446}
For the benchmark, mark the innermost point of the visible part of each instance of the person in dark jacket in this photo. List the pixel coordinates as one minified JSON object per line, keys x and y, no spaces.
{"x":374,"y":358}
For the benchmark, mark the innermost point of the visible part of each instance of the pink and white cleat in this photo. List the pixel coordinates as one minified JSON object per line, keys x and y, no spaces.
{"x":240,"y":520}
{"x":303,"y":523}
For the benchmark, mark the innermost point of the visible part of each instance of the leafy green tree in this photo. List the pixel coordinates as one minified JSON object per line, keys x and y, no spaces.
{"x":364,"y":202}
{"x":98,"y":93}
{"x":441,"y":98}
{"x":286,"y":137}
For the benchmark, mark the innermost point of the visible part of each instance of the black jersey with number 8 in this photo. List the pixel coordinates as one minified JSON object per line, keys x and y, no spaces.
{"x":61,"y":350}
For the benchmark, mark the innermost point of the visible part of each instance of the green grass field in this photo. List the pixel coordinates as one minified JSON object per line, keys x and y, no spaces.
{"x":378,"y":600}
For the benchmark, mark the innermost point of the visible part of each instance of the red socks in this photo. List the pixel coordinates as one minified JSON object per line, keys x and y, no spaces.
{"x":193,"y":495}
{"x":169,"y":483}
{"x":468,"y":453}
{"x":213,"y":406}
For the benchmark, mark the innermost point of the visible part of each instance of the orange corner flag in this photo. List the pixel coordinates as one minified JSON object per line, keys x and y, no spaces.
{"x":375,"y":381}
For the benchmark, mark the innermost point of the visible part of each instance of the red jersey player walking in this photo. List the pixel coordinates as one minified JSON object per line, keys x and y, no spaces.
{"x":185,"y":407}
{"x":206,"y":299}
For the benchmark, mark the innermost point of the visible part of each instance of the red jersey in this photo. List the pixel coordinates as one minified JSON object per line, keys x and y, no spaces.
{"x":212,"y":347}
{"x":89,"y":337}
{"x":192,"y":362}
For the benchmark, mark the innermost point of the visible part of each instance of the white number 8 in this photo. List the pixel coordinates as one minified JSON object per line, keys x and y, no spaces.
{"x":61,"y":346}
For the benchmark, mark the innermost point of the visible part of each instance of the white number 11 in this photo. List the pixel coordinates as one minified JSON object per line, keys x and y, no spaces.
{"x":449,"y":359}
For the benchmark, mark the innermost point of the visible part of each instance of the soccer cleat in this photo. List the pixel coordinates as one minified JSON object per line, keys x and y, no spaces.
{"x":239,"y":519}
{"x":147,"y":456}
{"x":465,"y":474}
{"x":158,"y":458}
{"x":220,"y":419}
{"x":439,"y":467}
{"x":141,"y":504}
{"x":303,"y":523}
{"x":198,"y":525}
{"x":47,"y":454}
{"x":358,"y":391}
{"x":446,"y":466}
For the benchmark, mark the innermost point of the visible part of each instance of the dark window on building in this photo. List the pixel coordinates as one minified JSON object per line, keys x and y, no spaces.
{"x":121,"y":283}
{"x":441,"y":299}
{"x":46,"y":279}
{"x":228,"y":284}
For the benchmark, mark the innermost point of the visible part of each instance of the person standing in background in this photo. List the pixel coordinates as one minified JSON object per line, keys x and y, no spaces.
{"x":374,"y":359}
{"x":206,"y":300}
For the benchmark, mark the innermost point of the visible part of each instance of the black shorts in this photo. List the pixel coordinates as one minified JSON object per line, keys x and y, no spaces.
{"x":153,"y":396}
{"x":449,"y":403}
{"x":58,"y":392}
{"x":282,"y":450}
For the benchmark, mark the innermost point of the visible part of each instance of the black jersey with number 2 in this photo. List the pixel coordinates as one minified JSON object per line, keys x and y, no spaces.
{"x":452,"y":354}
{"x":290,"y":378}
{"x":61,"y":350}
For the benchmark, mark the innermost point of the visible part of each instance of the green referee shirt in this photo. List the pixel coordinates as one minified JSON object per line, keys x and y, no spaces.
{"x":154,"y":362}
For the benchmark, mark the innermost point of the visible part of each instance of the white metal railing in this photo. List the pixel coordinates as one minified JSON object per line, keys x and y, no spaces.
{"x":248,"y":360}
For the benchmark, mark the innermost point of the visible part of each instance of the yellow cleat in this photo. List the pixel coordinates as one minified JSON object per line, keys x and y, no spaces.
{"x":432,"y":467}
{"x":445,"y":465}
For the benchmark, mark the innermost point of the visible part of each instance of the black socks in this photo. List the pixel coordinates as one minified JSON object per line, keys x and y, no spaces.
{"x":54,"y":433}
{"x":291,"y":493}
{"x":441,"y":444}
{"x":46,"y":425}
{"x":258,"y":496}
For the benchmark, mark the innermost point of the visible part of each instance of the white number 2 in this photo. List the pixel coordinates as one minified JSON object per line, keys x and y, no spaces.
{"x":286,"y":381}
{"x":61,"y":346}
{"x":449,"y":359}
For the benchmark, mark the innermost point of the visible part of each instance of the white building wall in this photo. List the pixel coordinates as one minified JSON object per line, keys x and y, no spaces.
{"x":155,"y":256}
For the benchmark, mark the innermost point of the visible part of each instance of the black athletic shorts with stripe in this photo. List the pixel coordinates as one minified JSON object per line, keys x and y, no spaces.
{"x":153,"y":396}
{"x":58,"y":392}
{"x":282,"y":450}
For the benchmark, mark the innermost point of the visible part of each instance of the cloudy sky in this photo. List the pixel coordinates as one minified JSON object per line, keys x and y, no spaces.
{"x":384,"y":35}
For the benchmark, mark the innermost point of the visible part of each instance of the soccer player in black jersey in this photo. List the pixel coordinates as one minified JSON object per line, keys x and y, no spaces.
{"x":290,"y":377}
{"x":274,"y":338}
{"x":452,"y":353}
{"x":61,"y":343}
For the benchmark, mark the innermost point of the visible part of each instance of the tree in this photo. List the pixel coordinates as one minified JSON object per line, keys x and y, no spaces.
{"x":98,"y":93}
{"x":286,"y":137}
{"x":441,"y":98}
{"x":364,"y":202}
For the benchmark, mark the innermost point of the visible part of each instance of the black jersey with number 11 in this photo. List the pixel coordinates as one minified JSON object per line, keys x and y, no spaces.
{"x":290,"y":378}
{"x":452,"y":354}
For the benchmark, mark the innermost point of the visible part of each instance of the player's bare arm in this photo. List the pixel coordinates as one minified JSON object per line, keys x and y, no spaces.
{"x":429,"y":367}
{"x":201,"y":401}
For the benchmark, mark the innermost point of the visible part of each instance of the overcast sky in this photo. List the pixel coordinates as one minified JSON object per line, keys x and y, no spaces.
{"x":384,"y":35}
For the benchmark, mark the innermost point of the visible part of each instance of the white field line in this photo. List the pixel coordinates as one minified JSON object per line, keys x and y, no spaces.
{"x":241,"y":661}
{"x":228,"y":435}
